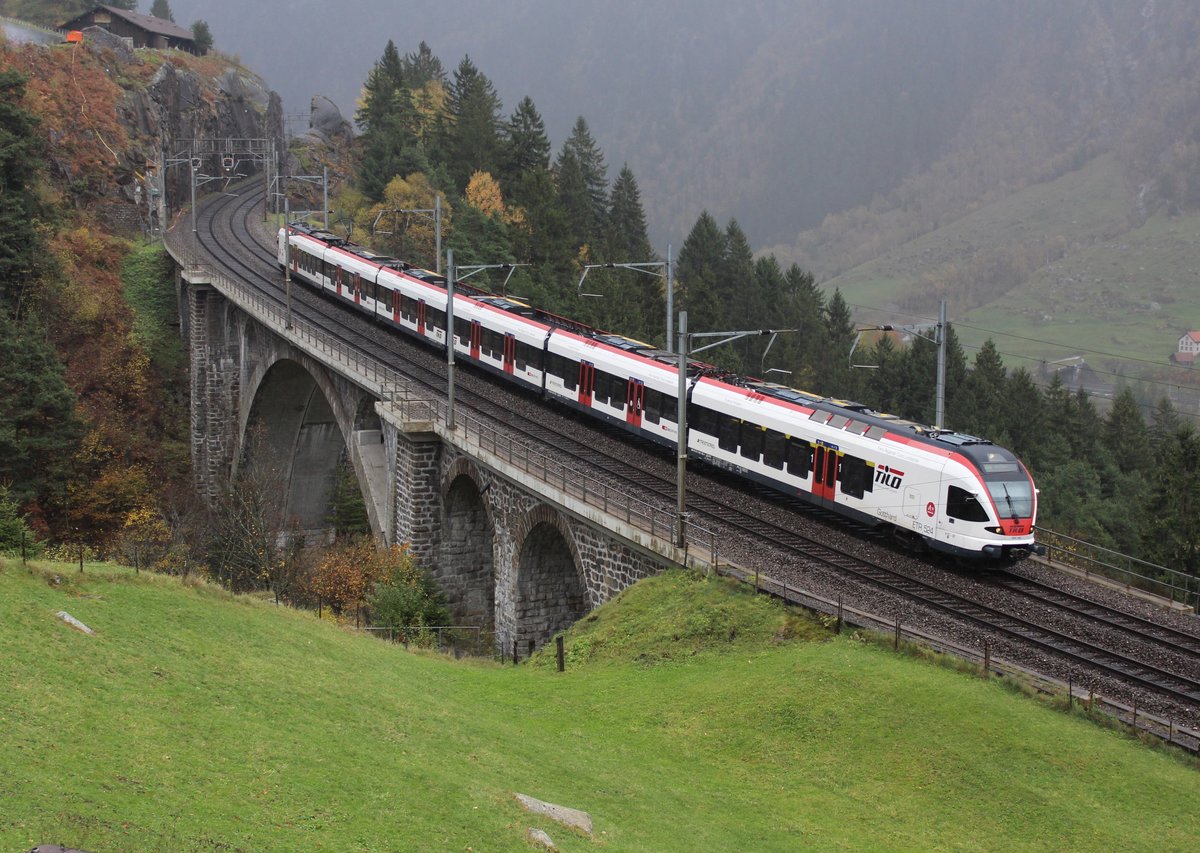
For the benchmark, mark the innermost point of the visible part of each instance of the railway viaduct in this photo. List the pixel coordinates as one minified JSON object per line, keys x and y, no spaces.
{"x":520,"y":544}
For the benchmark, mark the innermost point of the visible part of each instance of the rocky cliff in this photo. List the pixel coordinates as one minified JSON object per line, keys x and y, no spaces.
{"x":123,"y":124}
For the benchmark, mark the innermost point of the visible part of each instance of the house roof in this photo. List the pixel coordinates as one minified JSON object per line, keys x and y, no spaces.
{"x":1194,"y":335}
{"x":1183,"y":357}
{"x":149,"y":23}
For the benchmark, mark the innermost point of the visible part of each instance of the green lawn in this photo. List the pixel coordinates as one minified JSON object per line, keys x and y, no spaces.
{"x":692,"y":716}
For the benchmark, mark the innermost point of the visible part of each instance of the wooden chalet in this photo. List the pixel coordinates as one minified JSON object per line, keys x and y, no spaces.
{"x":140,"y":30}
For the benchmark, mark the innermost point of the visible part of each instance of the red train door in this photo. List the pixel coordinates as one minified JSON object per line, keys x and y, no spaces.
{"x":396,"y":306}
{"x":420,"y":316}
{"x":825,"y":472}
{"x":510,"y":352}
{"x":587,"y":375}
{"x":476,"y":336}
{"x":337,"y":281}
{"x":635,"y":396}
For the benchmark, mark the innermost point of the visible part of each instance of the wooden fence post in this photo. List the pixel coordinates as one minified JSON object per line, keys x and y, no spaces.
{"x":561,"y":660}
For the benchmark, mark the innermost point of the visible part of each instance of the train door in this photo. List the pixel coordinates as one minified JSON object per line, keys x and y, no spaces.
{"x":825,"y":472}
{"x":635,"y":400}
{"x":420,"y":316}
{"x":476,"y":337}
{"x":357,"y":282}
{"x":587,"y":376}
{"x":510,"y":352}
{"x":396,"y":306}
{"x":337,"y":281}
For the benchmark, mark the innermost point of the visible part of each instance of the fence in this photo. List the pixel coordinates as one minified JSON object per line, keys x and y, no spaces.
{"x":1130,"y":571}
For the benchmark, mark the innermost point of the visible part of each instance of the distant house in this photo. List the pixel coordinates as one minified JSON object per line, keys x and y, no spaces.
{"x":1187,"y":350}
{"x":140,"y":30}
{"x":1077,"y":375}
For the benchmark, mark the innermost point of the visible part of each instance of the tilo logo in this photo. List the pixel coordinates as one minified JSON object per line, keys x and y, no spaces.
{"x":887,"y":476}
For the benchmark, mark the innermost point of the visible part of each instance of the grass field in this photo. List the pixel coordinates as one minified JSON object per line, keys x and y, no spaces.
{"x":692,"y":716}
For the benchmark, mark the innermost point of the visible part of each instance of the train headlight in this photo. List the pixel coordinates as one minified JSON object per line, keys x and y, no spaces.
{"x":999,"y":531}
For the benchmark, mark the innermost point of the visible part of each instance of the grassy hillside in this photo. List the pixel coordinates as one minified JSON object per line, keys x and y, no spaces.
{"x":692,"y":716}
{"x":1129,"y":292}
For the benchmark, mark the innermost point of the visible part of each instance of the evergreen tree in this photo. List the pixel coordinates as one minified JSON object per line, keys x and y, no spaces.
{"x":1164,"y":423}
{"x":202,"y":35}
{"x":1173,"y":536}
{"x":387,"y":117}
{"x":526,"y":147}
{"x":573,"y":199}
{"x":834,"y":374}
{"x":38,"y":427}
{"x":472,"y":141}
{"x":983,"y":397}
{"x":636,"y":301}
{"x":587,"y":204}
{"x":161,"y":9}
{"x":697,"y":273}
{"x":21,"y":250}
{"x":801,"y":306}
{"x":421,"y":67}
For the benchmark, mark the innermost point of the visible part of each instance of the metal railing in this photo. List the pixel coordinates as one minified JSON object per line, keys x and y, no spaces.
{"x":701,"y":545}
{"x":1133,"y":573}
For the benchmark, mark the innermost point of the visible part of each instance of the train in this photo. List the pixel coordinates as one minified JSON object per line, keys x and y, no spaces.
{"x":930,"y":488}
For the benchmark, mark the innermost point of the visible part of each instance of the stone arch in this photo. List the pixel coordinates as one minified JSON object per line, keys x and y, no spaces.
{"x":292,"y":435}
{"x":551,"y":594}
{"x":465,"y":566}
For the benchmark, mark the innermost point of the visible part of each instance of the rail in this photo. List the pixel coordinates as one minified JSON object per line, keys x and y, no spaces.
{"x":414,"y":406}
{"x":1132,"y":572}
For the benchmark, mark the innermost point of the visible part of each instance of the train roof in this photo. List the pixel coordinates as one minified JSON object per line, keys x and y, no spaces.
{"x":860,"y":412}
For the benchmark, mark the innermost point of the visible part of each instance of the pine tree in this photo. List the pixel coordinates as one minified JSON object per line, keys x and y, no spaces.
{"x":421,"y":67}
{"x":161,"y":9}
{"x":835,"y":375}
{"x":635,"y":301}
{"x":21,"y":251}
{"x":697,"y":273}
{"x":472,"y":141}
{"x":592,"y":202}
{"x":1173,"y":537}
{"x":1125,"y":434}
{"x":526,"y":147}
{"x":202,"y":35}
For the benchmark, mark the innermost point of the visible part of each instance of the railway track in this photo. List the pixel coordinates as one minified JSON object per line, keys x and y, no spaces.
{"x":1151,"y":657}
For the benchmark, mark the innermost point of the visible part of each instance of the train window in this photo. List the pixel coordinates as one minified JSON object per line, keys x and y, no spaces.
{"x":670,"y":409}
{"x":729,"y":431}
{"x":600,"y":387}
{"x":774,"y":449}
{"x":876,"y":432}
{"x":462,"y":330}
{"x":524,"y":355}
{"x":435,"y":318}
{"x":752,"y":440}
{"x":408,"y":308}
{"x":570,"y":373}
{"x":799,"y":457}
{"x":963,"y":505}
{"x":856,"y":476}
{"x":703,"y":420}
{"x":652,"y":404}
{"x":494,"y":342}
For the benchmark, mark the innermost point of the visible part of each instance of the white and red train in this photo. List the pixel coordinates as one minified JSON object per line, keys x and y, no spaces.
{"x":952,"y":492}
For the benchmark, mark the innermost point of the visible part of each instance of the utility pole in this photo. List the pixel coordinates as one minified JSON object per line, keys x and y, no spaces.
{"x":939,"y":418}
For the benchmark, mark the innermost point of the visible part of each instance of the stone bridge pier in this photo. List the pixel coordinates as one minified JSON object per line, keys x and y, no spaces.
{"x":259,"y":402}
{"x":509,"y":556}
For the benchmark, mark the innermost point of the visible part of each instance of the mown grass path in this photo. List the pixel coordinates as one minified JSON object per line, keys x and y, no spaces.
{"x":692,"y":716}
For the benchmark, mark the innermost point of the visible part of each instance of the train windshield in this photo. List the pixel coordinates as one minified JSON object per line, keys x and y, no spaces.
{"x":1013,"y":498}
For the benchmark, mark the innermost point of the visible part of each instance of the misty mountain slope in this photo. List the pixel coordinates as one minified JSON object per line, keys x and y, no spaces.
{"x":1056,"y":269}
